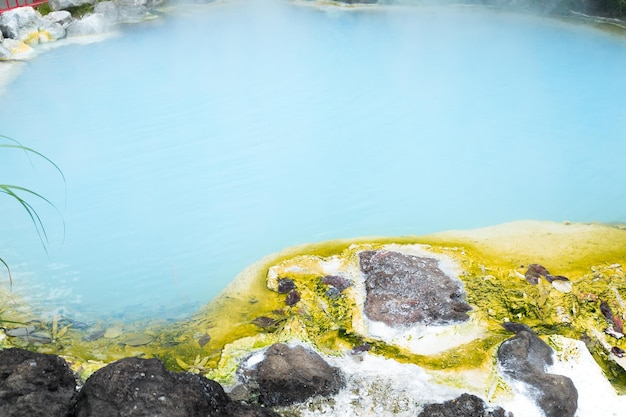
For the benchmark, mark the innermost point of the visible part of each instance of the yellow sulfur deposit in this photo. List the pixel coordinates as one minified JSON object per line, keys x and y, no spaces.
{"x":492,"y":263}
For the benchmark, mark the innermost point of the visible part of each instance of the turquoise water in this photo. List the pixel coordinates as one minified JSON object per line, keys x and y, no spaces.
{"x":197,"y":144}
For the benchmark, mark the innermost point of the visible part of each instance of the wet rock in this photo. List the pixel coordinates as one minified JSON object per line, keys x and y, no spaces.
{"x":357,"y":350}
{"x":4,"y":52}
{"x":406,"y":289}
{"x":121,"y":11}
{"x":143,"y":387}
{"x":49,"y":31}
{"x":12,"y":22}
{"x":332,"y":293}
{"x":25,"y":24}
{"x":285,"y":285}
{"x":337,"y":285}
{"x":108,"y":9}
{"x":265,"y":322}
{"x":535,"y":272}
{"x":92,"y":24}
{"x":29,"y":334}
{"x":525,"y":358}
{"x":62,"y":17}
{"x":558,"y":396}
{"x":236,"y":409}
{"x":132,"y":10}
{"x":20,"y":331}
{"x":618,"y":351}
{"x":204,"y":340}
{"x":67,"y":4}
{"x":292,"y":298}
{"x":19,"y":50}
{"x":337,"y":282}
{"x":466,"y":405}
{"x":35,"y":384}
{"x":525,"y":354}
{"x":291,"y":375}
{"x":95,"y":335}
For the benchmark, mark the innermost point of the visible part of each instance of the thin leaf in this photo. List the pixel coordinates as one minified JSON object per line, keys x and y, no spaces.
{"x":32,"y":213}
{"x":62,"y":332}
{"x":27,"y":149}
{"x":55,"y":326}
{"x":182,"y":364}
{"x":9,"y":272}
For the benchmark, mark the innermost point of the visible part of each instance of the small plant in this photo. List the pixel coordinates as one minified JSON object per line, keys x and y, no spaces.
{"x":199,"y":365}
{"x":58,"y":333}
{"x":20,"y":194}
{"x":44,"y":9}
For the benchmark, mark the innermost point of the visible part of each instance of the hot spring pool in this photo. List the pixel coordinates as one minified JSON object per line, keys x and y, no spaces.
{"x":196,"y":144}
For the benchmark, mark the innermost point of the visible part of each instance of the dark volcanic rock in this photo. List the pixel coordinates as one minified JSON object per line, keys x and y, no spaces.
{"x":143,"y":387}
{"x":235,"y":409}
{"x":285,"y":285}
{"x":34,"y":384}
{"x":525,"y":358}
{"x":406,"y":289}
{"x":525,"y":355}
{"x":335,"y":281}
{"x":292,"y":298}
{"x":291,"y":375}
{"x":466,"y":405}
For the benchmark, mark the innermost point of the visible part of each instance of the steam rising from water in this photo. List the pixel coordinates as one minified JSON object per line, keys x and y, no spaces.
{"x":196,"y":144}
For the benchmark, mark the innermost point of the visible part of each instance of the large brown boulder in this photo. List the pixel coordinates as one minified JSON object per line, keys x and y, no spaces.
{"x":406,"y":289}
{"x":291,"y":375}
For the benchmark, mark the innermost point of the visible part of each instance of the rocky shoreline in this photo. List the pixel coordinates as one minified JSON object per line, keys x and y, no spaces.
{"x":384,"y":327}
{"x":36,"y":384}
{"x":22,"y":29}
{"x":270,"y":381}
{"x":522,"y":319}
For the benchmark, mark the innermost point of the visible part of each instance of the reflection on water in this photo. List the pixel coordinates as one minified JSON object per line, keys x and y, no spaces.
{"x":195,"y":145}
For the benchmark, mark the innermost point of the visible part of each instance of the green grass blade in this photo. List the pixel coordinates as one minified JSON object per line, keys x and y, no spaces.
{"x":32,"y":213}
{"x":27,"y":149}
{"x":4,"y":187}
{"x":9,"y":272}
{"x":17,"y":145}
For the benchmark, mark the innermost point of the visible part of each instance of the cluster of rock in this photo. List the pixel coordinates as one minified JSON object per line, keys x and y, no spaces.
{"x":402,"y":288}
{"x":37,"y":384}
{"x":24,"y":27}
{"x":406,"y":289}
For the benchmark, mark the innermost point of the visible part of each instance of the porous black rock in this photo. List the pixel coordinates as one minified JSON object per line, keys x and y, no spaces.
{"x":525,"y":358}
{"x":466,"y":405}
{"x":144,"y":388}
{"x":35,"y":384}
{"x":406,"y":289}
{"x":285,"y":285}
{"x":290,"y":375}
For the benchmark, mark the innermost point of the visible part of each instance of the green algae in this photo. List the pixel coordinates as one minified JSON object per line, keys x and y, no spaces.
{"x":249,"y":316}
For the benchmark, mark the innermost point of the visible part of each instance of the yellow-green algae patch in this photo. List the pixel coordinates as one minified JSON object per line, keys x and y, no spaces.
{"x":248,"y":315}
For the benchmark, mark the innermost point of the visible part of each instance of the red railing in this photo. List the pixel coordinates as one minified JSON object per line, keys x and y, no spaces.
{"x":14,"y":4}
